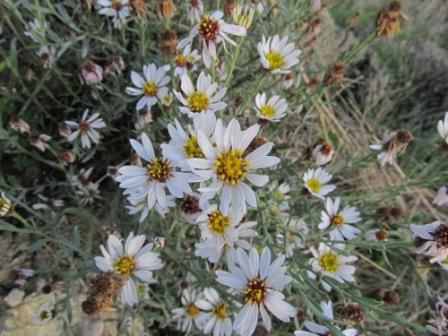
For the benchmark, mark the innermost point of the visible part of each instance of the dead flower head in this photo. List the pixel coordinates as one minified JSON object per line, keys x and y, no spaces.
{"x":388,"y":21}
{"x":336,"y":74}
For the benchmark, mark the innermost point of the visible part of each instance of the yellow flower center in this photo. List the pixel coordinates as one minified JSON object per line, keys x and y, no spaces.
{"x":125,"y":266}
{"x":329,"y":262}
{"x":218,"y":223}
{"x":275,"y":60}
{"x":198,"y":102}
{"x":337,"y":220}
{"x":314,"y":185}
{"x":268,"y":111}
{"x":150,"y":89}
{"x":231,"y":167}
{"x":191,"y":310}
{"x":220,"y":311}
{"x":255,"y":291}
{"x":192,"y":149}
{"x":181,"y":61}
{"x":159,"y":169}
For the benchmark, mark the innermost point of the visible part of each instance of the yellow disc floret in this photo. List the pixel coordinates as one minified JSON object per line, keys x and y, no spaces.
{"x":191,"y":310}
{"x":220,"y":311}
{"x":314,"y":185}
{"x":275,"y":60}
{"x":192,"y":149}
{"x":218,"y":223}
{"x":255,"y":291}
{"x":198,"y":101}
{"x":337,"y":220}
{"x":268,"y":111}
{"x":159,"y":169}
{"x":231,"y":167}
{"x":125,"y":266}
{"x":150,"y":89}
{"x":329,"y":262}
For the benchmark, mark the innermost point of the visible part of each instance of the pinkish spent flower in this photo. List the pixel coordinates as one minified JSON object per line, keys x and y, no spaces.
{"x":92,"y":73}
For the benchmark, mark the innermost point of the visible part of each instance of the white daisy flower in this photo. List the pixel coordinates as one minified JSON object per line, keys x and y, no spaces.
{"x":150,"y":181}
{"x":43,"y":314}
{"x":212,"y":30}
{"x":316,"y":182}
{"x":221,"y":232}
{"x":186,"y":61}
{"x":435,"y":235}
{"x":184,"y":146}
{"x":442,"y":196}
{"x":328,"y":262}
{"x":228,"y":166}
{"x":277,"y":55}
{"x":134,"y":262}
{"x":151,"y":88}
{"x":202,"y":99}
{"x":442,"y":127}
{"x":261,"y":282}
{"x":5,"y":206}
{"x":141,"y":205}
{"x":291,"y":239}
{"x":323,"y":153}
{"x":339,"y":220}
{"x":118,"y":9}
{"x":195,"y":9}
{"x":273,"y":110}
{"x":216,"y":314}
{"x":86,"y":128}
{"x":320,"y":330}
{"x":190,"y":314}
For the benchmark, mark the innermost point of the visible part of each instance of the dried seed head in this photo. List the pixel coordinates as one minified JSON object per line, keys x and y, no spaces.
{"x":169,"y":42}
{"x":190,"y":204}
{"x":398,"y":143}
{"x":106,"y":284}
{"x":351,"y":312}
{"x":313,"y":26}
{"x":139,"y":7}
{"x":391,"y":297}
{"x":388,"y":214}
{"x":166,"y":8}
{"x":336,"y":74}
{"x":389,"y":21}
{"x":95,"y":307}
{"x":382,"y":234}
